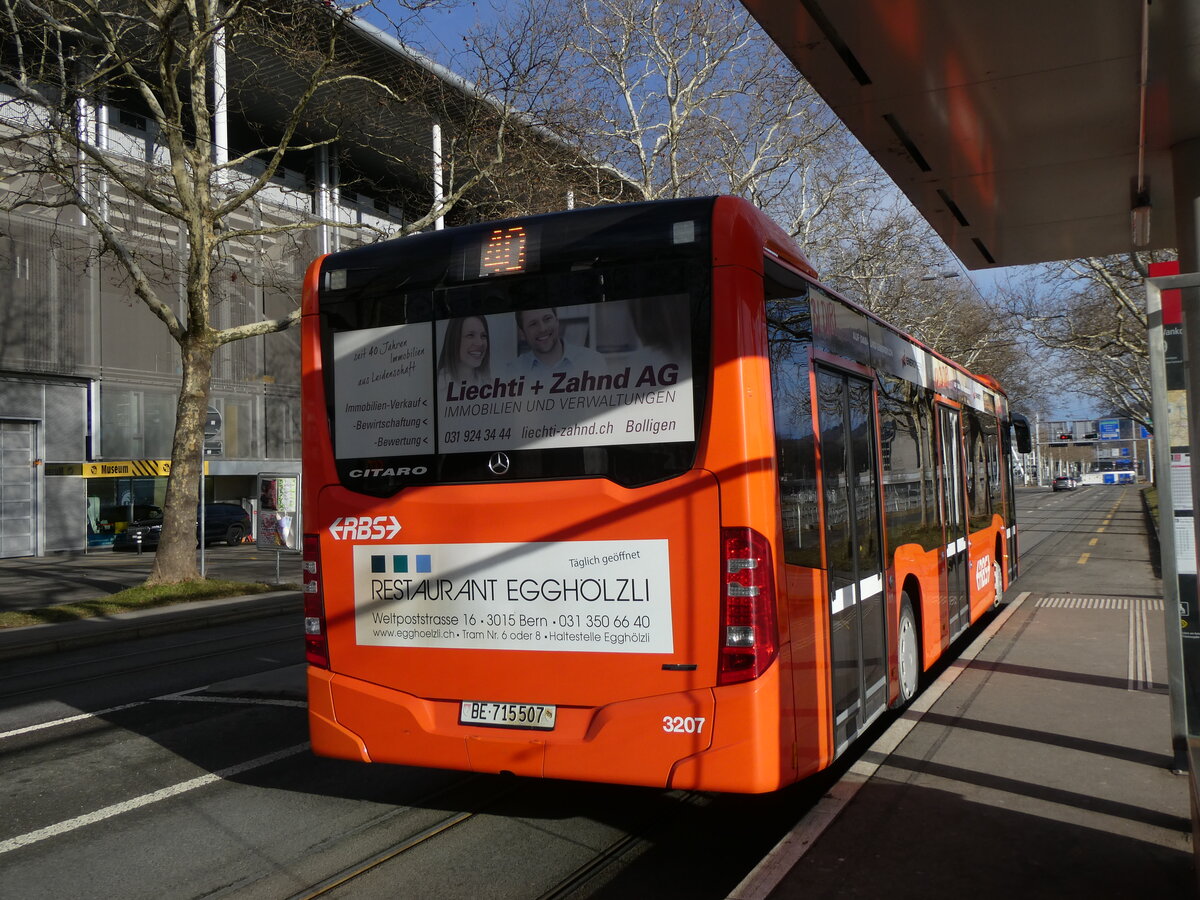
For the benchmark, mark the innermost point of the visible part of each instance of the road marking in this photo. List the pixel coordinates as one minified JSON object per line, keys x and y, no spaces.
{"x":1083,"y":559}
{"x":69,"y":719}
{"x":99,"y":815}
{"x":239,"y":701}
{"x":1093,"y":542}
{"x":1101,"y":528}
{"x":180,"y":695}
{"x":770,"y":871}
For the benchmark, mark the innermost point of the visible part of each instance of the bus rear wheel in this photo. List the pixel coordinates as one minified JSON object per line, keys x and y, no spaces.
{"x":909,"y":658}
{"x":998,"y":584}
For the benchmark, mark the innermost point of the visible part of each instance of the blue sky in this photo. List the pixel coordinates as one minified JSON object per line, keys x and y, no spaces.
{"x":440,"y":33}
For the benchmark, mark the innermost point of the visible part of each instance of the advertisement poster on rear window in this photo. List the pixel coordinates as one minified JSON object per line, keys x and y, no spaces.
{"x":382,"y":391}
{"x":569,"y":376}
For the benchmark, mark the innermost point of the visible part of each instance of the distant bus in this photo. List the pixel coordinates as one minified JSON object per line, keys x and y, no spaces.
{"x":623,"y":494}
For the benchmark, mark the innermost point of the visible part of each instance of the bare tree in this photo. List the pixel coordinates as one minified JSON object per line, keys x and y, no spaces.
{"x":684,"y":98}
{"x":1091,"y":314}
{"x":301,"y":86}
{"x":874,"y":247}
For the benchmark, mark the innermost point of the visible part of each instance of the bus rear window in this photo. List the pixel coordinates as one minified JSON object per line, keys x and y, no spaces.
{"x":532,"y":359}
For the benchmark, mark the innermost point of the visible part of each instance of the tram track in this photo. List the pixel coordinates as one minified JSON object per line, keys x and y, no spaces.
{"x":406,"y":844}
{"x":568,"y":885}
{"x":589,"y":871}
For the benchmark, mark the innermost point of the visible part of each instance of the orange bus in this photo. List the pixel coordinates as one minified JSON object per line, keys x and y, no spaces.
{"x":623,"y":494}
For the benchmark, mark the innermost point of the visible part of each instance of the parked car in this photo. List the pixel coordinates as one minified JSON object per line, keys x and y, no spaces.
{"x":1064,"y":483}
{"x":226,"y":522}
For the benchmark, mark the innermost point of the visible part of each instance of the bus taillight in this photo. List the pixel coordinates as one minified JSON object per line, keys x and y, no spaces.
{"x":749,"y":629}
{"x":316,"y":642}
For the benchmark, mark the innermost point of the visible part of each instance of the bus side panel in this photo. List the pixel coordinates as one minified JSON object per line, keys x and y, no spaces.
{"x":982,"y":554}
{"x":928,"y":567}
{"x":316,"y":449}
{"x":809,"y":614}
{"x":739,"y":448}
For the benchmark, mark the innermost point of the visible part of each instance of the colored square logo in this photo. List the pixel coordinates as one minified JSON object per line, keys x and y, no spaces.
{"x":423,"y":563}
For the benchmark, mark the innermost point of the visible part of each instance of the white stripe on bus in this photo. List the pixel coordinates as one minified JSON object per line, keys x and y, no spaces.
{"x":844,"y":598}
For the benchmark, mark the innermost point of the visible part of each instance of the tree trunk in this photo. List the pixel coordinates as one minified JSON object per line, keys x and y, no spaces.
{"x":176,"y":557}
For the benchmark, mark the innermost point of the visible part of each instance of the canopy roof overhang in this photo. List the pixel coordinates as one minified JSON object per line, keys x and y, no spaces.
{"x":1018,"y":129}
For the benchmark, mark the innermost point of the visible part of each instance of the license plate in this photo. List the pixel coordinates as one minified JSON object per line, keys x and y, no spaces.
{"x":507,"y":715}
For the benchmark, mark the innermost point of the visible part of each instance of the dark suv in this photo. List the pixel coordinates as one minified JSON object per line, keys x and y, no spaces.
{"x":226,"y":522}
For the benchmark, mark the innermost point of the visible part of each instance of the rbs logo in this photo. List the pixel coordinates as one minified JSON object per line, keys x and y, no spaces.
{"x":983,"y":572}
{"x":364,"y":528}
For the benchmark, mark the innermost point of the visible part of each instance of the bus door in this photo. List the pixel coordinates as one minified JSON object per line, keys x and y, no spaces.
{"x":954,"y":520}
{"x":858,"y":649}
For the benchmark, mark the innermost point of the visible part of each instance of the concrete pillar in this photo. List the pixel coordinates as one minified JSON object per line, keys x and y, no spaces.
{"x":321,"y":199}
{"x":334,"y":199}
{"x":438,"y":186}
{"x":220,"y":109}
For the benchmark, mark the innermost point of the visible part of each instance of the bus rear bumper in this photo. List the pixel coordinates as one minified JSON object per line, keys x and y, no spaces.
{"x":660,"y":741}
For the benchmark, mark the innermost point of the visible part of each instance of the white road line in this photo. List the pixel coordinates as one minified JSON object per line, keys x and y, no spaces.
{"x":770,"y":871}
{"x":99,"y":815}
{"x":240,"y":701}
{"x":181,"y":695}
{"x":69,"y":719}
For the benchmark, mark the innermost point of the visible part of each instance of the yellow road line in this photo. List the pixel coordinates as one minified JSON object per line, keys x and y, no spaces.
{"x":1083,"y":559}
{"x":1101,"y":528}
{"x":1093,"y":542}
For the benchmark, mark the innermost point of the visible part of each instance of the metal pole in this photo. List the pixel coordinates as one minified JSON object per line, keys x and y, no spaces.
{"x":201,"y":525}
{"x":1166,"y":526}
{"x":1037,"y":448}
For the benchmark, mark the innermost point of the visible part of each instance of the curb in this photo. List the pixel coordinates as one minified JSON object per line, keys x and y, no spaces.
{"x":36,"y":640}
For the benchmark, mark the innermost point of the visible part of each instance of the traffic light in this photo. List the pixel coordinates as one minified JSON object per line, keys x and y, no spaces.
{"x":1065,"y":436}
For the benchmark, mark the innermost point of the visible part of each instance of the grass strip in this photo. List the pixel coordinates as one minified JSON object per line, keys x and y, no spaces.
{"x":140,"y":597}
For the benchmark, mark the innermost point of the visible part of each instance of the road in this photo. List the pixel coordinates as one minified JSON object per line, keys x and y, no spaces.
{"x":1089,"y":540}
{"x":178,"y":766}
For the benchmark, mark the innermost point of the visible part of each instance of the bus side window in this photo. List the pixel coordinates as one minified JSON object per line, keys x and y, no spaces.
{"x":789,"y":335}
{"x":906,"y":439}
{"x":978,"y":494}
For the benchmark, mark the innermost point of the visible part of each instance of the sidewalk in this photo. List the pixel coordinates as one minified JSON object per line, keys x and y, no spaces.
{"x":1037,"y":766}
{"x":29,"y":582}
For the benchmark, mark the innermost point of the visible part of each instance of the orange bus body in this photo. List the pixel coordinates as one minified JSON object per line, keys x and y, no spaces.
{"x":669,"y":718}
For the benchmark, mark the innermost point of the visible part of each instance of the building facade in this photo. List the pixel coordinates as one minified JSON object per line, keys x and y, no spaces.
{"x":89,"y":376}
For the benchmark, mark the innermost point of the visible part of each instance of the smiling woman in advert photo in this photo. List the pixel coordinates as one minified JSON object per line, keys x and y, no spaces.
{"x":466,"y":351}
